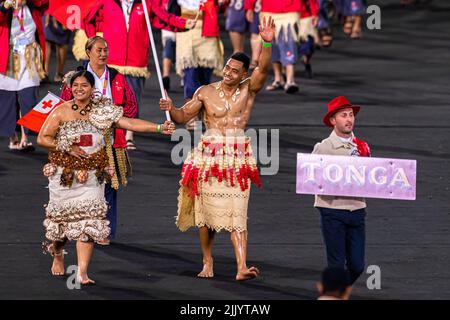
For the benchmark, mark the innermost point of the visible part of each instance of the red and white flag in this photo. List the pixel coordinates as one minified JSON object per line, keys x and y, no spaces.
{"x":71,"y":12}
{"x":34,"y":119}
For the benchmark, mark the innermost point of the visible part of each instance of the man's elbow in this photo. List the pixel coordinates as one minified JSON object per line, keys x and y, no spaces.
{"x":179,"y":121}
{"x":179,"y":118}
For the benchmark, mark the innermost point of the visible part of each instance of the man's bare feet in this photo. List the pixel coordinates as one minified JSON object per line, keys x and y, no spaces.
{"x":84,"y":279}
{"x":58,"y":264}
{"x":247,"y":274}
{"x":207,"y":271}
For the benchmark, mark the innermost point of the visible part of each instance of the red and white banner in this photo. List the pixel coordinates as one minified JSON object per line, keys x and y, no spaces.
{"x":70,"y":12}
{"x":34,"y":119}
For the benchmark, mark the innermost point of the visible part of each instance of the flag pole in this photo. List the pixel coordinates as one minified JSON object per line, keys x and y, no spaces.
{"x":155,"y":54}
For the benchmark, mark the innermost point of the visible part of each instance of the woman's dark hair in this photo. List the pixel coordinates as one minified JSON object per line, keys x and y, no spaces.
{"x":83,"y":73}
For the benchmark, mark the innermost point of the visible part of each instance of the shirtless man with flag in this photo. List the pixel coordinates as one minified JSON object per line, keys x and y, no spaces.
{"x":216,"y":176}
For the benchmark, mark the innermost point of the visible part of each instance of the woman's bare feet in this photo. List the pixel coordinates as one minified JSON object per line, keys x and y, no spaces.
{"x":247,"y":274}
{"x":57,"y":268}
{"x":58,"y":264}
{"x":207,"y":271}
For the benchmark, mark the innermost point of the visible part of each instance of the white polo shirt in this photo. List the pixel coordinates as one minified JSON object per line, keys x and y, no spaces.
{"x":100,"y":80}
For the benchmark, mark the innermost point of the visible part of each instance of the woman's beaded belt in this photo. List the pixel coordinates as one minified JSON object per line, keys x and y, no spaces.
{"x":95,"y":161}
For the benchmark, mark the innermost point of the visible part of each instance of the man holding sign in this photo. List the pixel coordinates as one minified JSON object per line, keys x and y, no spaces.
{"x":343,"y":218}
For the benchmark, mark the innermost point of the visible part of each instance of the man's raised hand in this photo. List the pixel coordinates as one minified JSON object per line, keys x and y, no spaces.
{"x":267,"y":29}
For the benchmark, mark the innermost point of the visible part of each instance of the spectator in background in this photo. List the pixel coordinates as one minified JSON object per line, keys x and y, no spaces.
{"x":286,"y":14}
{"x":243,"y":17}
{"x":309,"y":10}
{"x":252,"y":11}
{"x":22,"y":47}
{"x":352,"y":12}
{"x":168,"y":39}
{"x":125,"y":29}
{"x":323,"y":25}
{"x":58,"y":36}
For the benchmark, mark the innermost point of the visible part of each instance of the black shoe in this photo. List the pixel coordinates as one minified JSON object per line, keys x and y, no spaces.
{"x":291,"y":88}
{"x":308,"y":71}
{"x":46,"y":80}
{"x":166,"y":83}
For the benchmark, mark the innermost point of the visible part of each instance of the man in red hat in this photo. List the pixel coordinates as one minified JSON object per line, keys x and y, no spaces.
{"x":343,"y":218}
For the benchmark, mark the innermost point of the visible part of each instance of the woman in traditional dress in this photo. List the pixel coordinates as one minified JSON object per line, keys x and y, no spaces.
{"x":113,"y":85}
{"x":80,"y":162}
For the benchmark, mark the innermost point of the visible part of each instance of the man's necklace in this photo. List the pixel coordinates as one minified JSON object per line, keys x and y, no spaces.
{"x":222,"y":95}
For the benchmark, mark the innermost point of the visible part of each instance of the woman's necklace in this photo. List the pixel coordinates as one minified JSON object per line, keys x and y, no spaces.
{"x":222,"y":95}
{"x":83,"y":111}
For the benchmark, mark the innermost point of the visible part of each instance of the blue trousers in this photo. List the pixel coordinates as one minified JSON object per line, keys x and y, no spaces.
{"x":344,"y":234}
{"x":194,"y":78}
{"x":10,"y":101}
{"x":111,"y":199}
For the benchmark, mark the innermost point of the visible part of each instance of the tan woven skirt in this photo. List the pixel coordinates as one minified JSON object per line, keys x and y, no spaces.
{"x":193,"y":50}
{"x":219,"y":207}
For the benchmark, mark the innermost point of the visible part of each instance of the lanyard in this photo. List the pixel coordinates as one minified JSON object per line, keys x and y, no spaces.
{"x":105,"y":82}
{"x":20,"y":18}
{"x":129,"y":4}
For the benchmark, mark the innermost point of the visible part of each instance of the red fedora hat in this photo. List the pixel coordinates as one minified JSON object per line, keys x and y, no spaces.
{"x":337,"y":104}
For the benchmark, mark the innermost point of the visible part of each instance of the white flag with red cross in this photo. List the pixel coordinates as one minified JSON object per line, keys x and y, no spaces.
{"x":34,"y":119}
